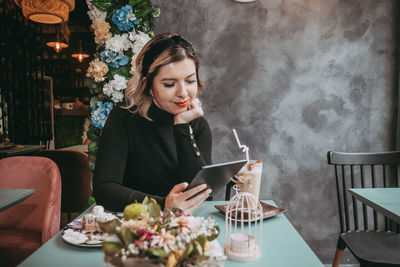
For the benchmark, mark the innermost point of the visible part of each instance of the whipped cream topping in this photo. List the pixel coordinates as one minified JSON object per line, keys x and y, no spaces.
{"x":74,"y":237}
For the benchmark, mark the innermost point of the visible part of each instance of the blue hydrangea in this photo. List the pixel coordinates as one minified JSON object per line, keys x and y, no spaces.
{"x":114,"y":59}
{"x":124,"y":18}
{"x":100,"y":115}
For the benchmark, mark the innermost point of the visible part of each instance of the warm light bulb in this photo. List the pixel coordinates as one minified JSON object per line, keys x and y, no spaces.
{"x":58,"y":47}
{"x":80,"y":57}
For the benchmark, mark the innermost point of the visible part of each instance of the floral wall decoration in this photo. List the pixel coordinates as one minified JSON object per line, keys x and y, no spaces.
{"x":121,"y":28}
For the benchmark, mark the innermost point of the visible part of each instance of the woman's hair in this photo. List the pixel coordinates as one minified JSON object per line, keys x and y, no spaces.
{"x":161,"y":50}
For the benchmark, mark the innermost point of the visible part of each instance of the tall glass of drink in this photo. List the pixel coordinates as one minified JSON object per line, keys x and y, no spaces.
{"x":250,"y":177}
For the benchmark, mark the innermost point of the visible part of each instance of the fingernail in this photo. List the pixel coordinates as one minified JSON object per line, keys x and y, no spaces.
{"x":209,"y":191}
{"x":204,"y":186}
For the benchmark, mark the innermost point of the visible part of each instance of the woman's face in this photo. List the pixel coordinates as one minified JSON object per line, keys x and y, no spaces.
{"x":174,"y":85}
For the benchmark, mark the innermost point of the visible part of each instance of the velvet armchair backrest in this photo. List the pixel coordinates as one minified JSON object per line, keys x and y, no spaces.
{"x":41,"y":211}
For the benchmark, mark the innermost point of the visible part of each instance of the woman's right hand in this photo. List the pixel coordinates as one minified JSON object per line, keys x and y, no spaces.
{"x":194,"y":111}
{"x":179,"y":199}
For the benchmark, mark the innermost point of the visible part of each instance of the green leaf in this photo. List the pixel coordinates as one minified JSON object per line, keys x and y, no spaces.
{"x":156,"y":253}
{"x":110,"y":248}
{"x":126,"y":236}
{"x":197,"y":248}
{"x":89,"y":82}
{"x":93,"y":102}
{"x":154,"y":210}
{"x":186,"y":253}
{"x":152,"y":200}
{"x":145,"y":201}
{"x":202,"y":239}
{"x":143,"y":12}
{"x":134,"y":2}
{"x":93,"y":132}
{"x":92,"y":147}
{"x":91,"y":200}
{"x":156,"y":12}
{"x":104,"y":5}
{"x":96,"y":88}
{"x":215,"y":234}
{"x":123,"y":71}
{"x":110,"y":227}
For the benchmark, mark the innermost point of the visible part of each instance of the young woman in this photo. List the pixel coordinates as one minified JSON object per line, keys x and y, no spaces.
{"x":155,"y":144}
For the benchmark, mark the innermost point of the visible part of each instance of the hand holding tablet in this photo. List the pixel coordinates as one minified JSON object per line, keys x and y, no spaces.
{"x":216,"y":176}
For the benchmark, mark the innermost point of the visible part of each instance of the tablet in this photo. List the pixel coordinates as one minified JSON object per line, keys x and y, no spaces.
{"x":216,"y":176}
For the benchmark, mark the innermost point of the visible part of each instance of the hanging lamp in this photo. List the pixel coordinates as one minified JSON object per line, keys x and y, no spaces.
{"x":80,"y":55}
{"x":46,"y":11}
{"x":57,"y":45}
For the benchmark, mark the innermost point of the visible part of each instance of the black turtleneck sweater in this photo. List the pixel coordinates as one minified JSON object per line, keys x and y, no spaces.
{"x":137,"y":157}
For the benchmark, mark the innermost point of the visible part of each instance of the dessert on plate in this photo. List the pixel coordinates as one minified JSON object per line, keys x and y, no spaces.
{"x":86,"y":231}
{"x":90,"y":220}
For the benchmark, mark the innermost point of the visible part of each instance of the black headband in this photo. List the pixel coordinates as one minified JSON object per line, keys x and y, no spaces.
{"x":158,"y":47}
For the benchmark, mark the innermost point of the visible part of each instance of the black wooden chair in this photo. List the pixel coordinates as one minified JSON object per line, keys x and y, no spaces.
{"x":371,"y":237}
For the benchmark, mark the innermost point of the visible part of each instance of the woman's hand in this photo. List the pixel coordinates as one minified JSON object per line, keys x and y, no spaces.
{"x":194,"y":111}
{"x":179,"y":199}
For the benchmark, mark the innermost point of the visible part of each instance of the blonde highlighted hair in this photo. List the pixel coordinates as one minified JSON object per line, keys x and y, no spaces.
{"x":137,"y":95}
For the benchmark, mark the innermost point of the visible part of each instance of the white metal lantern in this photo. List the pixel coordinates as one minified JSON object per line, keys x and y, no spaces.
{"x":243,"y":227}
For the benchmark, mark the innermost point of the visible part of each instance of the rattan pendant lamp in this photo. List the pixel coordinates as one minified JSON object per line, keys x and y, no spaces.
{"x":46,"y":11}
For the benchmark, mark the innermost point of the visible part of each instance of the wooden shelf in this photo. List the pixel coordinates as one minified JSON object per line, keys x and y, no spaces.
{"x":71,"y":112}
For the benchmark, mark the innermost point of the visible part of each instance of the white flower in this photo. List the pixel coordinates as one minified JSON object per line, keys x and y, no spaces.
{"x":139,"y":39}
{"x":114,"y":88}
{"x":119,"y":43}
{"x":133,"y":249}
{"x":215,"y":251}
{"x":117,"y":97}
{"x":94,"y":13}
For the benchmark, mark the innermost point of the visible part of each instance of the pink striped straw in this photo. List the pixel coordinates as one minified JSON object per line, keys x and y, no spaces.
{"x":243,"y":147}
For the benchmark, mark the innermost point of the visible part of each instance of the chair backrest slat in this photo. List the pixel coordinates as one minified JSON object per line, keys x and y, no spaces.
{"x":345,"y":203}
{"x":385,"y":185}
{"x":373,"y":186}
{"x":364,"y":207}
{"x":355,"y":209}
{"x":344,"y":158}
{"x":384,"y":175}
{"x":363,"y":170}
{"x":339,"y":199}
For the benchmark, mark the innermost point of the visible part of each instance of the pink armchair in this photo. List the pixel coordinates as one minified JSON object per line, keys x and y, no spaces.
{"x":29,"y":224}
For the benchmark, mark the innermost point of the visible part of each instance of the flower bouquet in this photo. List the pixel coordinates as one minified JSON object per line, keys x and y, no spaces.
{"x":147,"y":236}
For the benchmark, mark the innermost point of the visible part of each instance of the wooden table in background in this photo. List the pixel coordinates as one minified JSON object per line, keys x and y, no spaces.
{"x":10,"y":197}
{"x":20,"y":150}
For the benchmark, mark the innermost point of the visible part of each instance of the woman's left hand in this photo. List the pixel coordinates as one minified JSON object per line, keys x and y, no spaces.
{"x":194,"y":111}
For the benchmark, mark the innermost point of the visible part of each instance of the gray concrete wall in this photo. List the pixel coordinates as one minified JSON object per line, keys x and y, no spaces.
{"x":295,"y":78}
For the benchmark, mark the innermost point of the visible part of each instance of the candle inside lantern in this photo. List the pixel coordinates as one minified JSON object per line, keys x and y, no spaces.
{"x":242,"y":243}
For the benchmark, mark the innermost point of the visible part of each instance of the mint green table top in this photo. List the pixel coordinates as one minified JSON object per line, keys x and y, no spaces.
{"x":282,"y":246}
{"x":11,"y":196}
{"x":383,"y":200}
